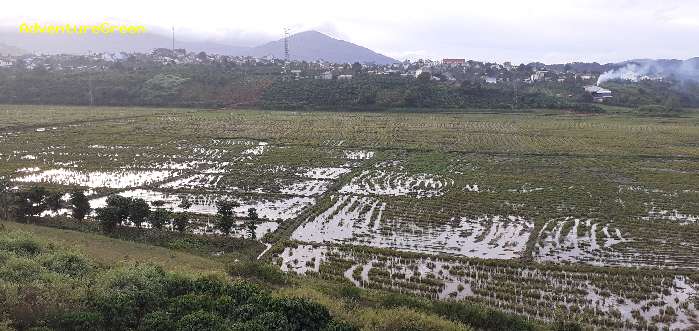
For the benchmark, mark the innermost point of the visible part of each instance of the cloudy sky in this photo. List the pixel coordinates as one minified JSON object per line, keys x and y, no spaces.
{"x":550,"y":31}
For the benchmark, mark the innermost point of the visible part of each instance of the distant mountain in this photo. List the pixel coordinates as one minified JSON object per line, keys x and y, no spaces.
{"x":313,"y":45}
{"x":10,"y":50}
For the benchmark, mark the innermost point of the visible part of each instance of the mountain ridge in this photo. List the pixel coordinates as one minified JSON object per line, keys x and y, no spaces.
{"x":318,"y":46}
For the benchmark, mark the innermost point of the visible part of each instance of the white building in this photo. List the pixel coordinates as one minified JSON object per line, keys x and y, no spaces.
{"x":490,"y":80}
{"x":538,"y":76}
{"x":599,"y":94}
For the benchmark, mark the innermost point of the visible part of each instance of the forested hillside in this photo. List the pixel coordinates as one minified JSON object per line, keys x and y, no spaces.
{"x":216,"y":85}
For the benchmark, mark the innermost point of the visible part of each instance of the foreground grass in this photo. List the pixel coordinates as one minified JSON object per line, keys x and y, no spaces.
{"x":119,"y":261}
{"x":351,"y":310}
{"x":109,"y":251}
{"x":44,"y":286}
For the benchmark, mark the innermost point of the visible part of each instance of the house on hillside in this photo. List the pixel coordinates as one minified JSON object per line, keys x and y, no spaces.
{"x":538,"y":76}
{"x":490,"y":80}
{"x":598,"y":94}
{"x":328,"y":75}
{"x":454,"y":62}
{"x":6,"y":62}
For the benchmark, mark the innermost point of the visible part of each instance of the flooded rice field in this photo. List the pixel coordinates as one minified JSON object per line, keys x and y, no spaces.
{"x":630,"y":301}
{"x":360,"y":220}
{"x":482,"y":208}
{"x":93,"y":179}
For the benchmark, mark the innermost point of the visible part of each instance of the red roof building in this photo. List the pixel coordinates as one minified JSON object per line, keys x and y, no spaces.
{"x":454,"y":61}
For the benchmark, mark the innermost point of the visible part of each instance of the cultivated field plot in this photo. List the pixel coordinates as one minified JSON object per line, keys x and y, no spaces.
{"x":585,"y":202}
{"x":608,"y":299}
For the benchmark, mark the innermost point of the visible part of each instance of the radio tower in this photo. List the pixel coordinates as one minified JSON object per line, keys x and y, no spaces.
{"x":285,"y":74}
{"x":286,"y":45}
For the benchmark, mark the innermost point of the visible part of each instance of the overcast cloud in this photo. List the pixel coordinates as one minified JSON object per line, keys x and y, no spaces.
{"x":550,"y":31}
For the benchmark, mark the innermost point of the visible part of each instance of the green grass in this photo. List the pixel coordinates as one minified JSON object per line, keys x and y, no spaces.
{"x":110,"y":252}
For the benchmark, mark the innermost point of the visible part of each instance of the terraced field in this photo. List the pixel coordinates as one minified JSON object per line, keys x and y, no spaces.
{"x":540,"y":214}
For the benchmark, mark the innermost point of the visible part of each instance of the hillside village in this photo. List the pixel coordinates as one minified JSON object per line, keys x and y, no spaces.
{"x":446,"y":70}
{"x":177,"y":77}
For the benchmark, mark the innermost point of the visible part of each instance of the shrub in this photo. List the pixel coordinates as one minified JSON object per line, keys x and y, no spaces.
{"x":123,"y":296}
{"x":652,"y":109}
{"x":350,"y":293}
{"x":404,"y":319}
{"x":262,"y":272}
{"x":479,"y":317}
{"x":66,"y":263}
{"x":586,"y":108}
{"x":340,"y":326}
{"x":20,"y":269}
{"x":78,"y":320}
{"x":20,"y":243}
{"x":302,"y":314}
{"x":200,"y":321}
{"x":157,"y":321}
{"x":395,"y":300}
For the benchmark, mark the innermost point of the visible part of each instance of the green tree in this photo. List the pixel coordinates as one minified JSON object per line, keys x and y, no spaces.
{"x":161,"y":87}
{"x":225,"y":220}
{"x":181,"y":221}
{"x":673,"y":103}
{"x":356,"y":68}
{"x":31,"y":202}
{"x":120,"y":207}
{"x":251,"y":224}
{"x":138,"y":211}
{"x":159,"y":217}
{"x":79,"y":204}
{"x":424,"y":76}
{"x":53,"y":201}
{"x":7,"y":200}
{"x":108,"y":217}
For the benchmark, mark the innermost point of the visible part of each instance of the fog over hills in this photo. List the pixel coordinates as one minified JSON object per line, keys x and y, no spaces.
{"x":305,"y":46}
{"x":10,"y":50}
{"x":83,"y":44}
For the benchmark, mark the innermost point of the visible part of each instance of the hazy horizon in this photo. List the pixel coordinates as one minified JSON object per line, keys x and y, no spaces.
{"x":499,"y":30}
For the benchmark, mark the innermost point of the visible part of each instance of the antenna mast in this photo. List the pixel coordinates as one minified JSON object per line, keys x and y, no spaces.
{"x":285,"y":68}
{"x":286,"y":45}
{"x":90,"y":95}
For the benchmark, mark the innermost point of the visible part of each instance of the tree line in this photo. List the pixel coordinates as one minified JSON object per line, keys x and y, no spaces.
{"x":36,"y":201}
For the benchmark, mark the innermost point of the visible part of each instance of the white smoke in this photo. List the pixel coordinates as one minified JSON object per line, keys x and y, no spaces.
{"x":680,"y":70}
{"x":631,"y":72}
